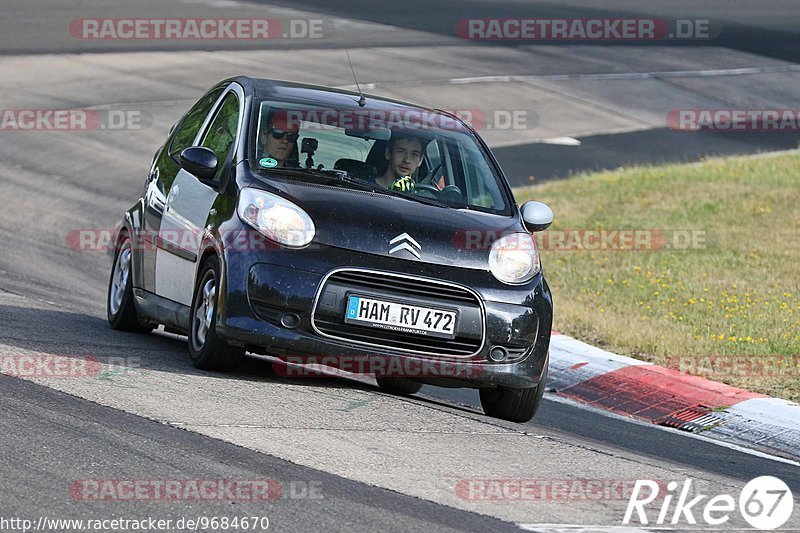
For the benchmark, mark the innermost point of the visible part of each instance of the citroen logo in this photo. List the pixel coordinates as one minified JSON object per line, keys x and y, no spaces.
{"x":404,"y":241}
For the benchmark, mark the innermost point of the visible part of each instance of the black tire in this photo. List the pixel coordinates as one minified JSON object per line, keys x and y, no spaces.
{"x":120,"y":307}
{"x":207,"y":350}
{"x":514,"y":405}
{"x":395,"y":385}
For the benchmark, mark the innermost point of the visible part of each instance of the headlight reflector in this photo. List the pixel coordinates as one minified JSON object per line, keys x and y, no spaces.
{"x":514,"y":259}
{"x":276,"y":218}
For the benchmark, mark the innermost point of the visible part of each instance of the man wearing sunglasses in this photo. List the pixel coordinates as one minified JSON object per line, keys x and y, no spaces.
{"x":279,"y":138}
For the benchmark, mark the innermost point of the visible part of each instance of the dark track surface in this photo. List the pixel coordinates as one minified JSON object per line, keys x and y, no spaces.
{"x":610,"y":151}
{"x":765,"y":28}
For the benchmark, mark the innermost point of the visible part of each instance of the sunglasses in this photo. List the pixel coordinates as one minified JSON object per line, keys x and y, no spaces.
{"x":280,"y":134}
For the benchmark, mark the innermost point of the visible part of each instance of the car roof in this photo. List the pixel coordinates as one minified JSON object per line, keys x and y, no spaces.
{"x":303,"y":93}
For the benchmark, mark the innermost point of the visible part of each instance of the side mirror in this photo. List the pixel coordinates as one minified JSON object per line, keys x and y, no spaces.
{"x":200,"y":161}
{"x":536,"y":216}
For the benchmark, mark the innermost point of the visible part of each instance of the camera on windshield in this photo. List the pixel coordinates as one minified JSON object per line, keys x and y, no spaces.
{"x":309,"y":146}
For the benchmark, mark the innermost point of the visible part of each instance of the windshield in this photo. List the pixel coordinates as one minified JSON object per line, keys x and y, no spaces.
{"x":419,"y":154}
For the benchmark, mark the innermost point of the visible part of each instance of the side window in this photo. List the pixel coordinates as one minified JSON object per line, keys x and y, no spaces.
{"x":435,"y":162}
{"x":191,"y":122}
{"x":222,"y":132}
{"x":477,"y":192}
{"x":434,"y":157}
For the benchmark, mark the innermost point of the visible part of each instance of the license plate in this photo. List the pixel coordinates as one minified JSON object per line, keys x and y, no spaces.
{"x":401,"y":317}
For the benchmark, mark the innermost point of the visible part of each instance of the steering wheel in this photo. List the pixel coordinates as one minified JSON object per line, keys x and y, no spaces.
{"x":427,"y":190}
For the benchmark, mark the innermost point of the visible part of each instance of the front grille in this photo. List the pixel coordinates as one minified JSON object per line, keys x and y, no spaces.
{"x":403,"y":286}
{"x":465,"y":343}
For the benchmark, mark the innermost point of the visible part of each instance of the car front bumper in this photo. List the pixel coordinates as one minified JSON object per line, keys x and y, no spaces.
{"x":270,"y":299}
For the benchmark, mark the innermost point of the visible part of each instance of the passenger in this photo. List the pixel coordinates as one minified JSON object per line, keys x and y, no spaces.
{"x":279,"y":138}
{"x":404,"y":155}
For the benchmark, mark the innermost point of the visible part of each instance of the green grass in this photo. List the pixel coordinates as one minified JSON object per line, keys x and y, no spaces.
{"x":735,"y":294}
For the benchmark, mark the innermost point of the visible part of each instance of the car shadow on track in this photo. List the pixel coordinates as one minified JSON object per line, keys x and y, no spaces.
{"x":27,"y":331}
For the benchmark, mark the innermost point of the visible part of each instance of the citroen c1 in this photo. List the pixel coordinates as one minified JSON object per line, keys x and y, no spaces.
{"x":266,"y":225}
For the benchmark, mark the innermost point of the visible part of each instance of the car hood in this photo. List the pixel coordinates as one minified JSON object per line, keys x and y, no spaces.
{"x":395,"y":227}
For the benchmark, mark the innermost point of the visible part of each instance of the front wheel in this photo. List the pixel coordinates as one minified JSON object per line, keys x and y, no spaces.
{"x":514,"y":405}
{"x":120,"y":308}
{"x":206,"y":349}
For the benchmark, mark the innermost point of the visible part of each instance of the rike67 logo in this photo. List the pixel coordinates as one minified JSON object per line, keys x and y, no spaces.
{"x":765,"y":503}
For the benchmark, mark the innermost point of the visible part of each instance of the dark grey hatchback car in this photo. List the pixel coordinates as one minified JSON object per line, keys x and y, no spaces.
{"x":318,"y":225}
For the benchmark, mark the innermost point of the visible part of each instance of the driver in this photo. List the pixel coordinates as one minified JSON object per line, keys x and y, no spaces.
{"x":404,"y":154}
{"x":279,"y":137}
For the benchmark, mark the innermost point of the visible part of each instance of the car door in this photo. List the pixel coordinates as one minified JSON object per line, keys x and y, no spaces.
{"x":163,"y":171}
{"x":189,"y":201}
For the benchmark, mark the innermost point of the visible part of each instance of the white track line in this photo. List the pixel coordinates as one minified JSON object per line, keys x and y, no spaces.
{"x":563,"y":141}
{"x":707,"y":73}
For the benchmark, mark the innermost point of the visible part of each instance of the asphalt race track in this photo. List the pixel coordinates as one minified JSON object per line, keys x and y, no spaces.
{"x":346,"y":456}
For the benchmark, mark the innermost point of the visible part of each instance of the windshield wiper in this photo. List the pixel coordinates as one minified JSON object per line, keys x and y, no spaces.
{"x":415,"y":197}
{"x":328,"y":174}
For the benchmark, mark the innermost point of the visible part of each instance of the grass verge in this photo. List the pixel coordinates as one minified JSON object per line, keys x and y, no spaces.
{"x":713,"y":285}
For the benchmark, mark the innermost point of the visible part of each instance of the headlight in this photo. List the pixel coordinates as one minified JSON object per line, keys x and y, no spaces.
{"x":513,"y":259}
{"x":277,"y":218}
